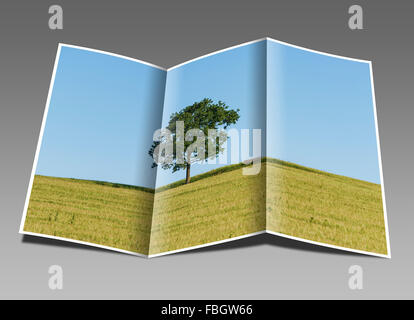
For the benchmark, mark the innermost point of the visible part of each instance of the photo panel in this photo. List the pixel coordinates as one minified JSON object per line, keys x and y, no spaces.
{"x":220,"y":201}
{"x":324,"y":179}
{"x":91,"y":182}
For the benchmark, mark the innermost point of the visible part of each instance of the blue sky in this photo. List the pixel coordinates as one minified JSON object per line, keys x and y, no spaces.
{"x":320,"y":112}
{"x":104,"y":110}
{"x":102,"y":115}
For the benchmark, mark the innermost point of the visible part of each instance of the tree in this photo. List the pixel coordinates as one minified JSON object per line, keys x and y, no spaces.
{"x":203,"y":116}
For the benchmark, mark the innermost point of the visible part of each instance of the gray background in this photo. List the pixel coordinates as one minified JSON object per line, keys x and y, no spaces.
{"x":167,"y":33}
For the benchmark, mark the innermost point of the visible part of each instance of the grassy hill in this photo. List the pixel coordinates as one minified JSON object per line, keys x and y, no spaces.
{"x":221,"y":205}
{"x":93,"y":211}
{"x":324,"y":207}
{"x":284,"y":197}
{"x":300,"y":201}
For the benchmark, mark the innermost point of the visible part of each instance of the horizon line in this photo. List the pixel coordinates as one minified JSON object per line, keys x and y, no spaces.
{"x":237,"y":166}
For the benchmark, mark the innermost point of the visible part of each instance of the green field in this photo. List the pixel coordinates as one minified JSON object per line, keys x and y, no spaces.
{"x":323,"y":207}
{"x":221,"y":204}
{"x":102,"y":213}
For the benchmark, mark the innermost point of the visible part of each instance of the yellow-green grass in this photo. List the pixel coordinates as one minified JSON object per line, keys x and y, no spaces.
{"x":98,"y":212}
{"x":222,"y":205}
{"x":323,"y":207}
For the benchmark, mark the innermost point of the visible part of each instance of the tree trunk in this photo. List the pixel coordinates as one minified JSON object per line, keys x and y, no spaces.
{"x":188,"y":178}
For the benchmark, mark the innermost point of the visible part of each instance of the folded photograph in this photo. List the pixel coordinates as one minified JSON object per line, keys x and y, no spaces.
{"x":262,"y":137}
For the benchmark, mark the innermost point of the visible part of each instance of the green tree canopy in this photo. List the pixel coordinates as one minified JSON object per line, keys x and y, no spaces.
{"x":204,"y":115}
